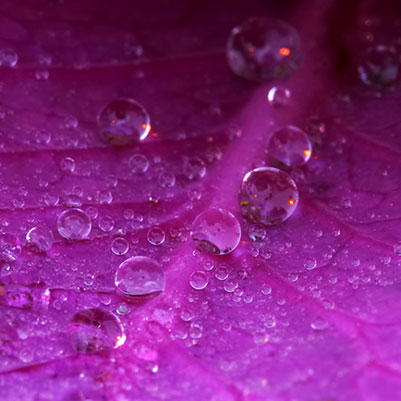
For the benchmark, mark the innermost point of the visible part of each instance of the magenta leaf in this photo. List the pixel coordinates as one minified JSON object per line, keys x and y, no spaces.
{"x":307,"y":310}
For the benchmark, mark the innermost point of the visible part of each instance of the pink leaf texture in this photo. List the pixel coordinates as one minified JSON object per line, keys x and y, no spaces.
{"x":308,"y":311}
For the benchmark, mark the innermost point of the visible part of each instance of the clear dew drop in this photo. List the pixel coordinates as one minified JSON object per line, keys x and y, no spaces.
{"x":138,"y":163}
{"x":156,"y":236}
{"x":262,"y":49}
{"x":8,"y":58}
{"x":221,"y":273}
{"x":379,"y":66}
{"x":289,"y":146}
{"x":216,"y":231}
{"x":93,"y":330}
{"x":139,"y":277}
{"x":279,"y":96}
{"x":10,"y":247}
{"x":123,"y":122}
{"x":40,"y":239}
{"x":194,"y":168}
{"x":268,"y":196}
{"x":198,"y":280}
{"x":119,"y":246}
{"x":74,"y":224}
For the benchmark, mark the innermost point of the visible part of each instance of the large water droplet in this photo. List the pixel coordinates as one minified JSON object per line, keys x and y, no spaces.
{"x":289,"y":146}
{"x":10,"y":247}
{"x":216,"y":231}
{"x":74,"y":224}
{"x":139,"y":277}
{"x":94,"y":330}
{"x":379,"y":66}
{"x":40,"y":239}
{"x":268,"y":196}
{"x":123,"y":122}
{"x":262,"y":49}
{"x":198,"y":280}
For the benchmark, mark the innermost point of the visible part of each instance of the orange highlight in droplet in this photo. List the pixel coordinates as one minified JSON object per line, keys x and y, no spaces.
{"x":291,"y":202}
{"x":284,"y":51}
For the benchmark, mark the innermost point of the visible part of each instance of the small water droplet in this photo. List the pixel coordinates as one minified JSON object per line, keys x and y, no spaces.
{"x":166,"y":179}
{"x":198,"y":280}
{"x":67,"y":165}
{"x":289,"y":146}
{"x":310,"y":263}
{"x":74,"y":224}
{"x":43,"y":137}
{"x":123,"y":122}
{"x":257,"y":232}
{"x":119,"y":246}
{"x":10,"y":247}
{"x":40,"y":239}
{"x":156,"y":236}
{"x":221,"y":273}
{"x":194,"y":169}
{"x":268,"y":196}
{"x":379,"y":66}
{"x":138,"y":163}
{"x":261,"y":49}
{"x":278,"y":96}
{"x":216,"y":231}
{"x":397,"y":249}
{"x":106,"y":224}
{"x":8,"y":58}
{"x":94,"y":330}
{"x":70,"y":122}
{"x":139,"y":277}
{"x":319,"y":324}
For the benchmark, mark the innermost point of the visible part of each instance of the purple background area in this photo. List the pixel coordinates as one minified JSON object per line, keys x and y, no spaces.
{"x":170,"y":56}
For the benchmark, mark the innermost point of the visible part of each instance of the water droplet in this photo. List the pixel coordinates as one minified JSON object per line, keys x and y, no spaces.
{"x":221,"y":273}
{"x":70,"y":122}
{"x":94,"y":330}
{"x":119,"y":246}
{"x":257,"y":232}
{"x":123,"y":122}
{"x":166,"y":179}
{"x":10,"y":247}
{"x":40,"y":239}
{"x":156,"y":236}
{"x":106,"y":224}
{"x":397,"y":249}
{"x":292,"y":277}
{"x":43,"y":137}
{"x":379,"y":66}
{"x":139,"y":277}
{"x":319,"y":324}
{"x":42,"y":74}
{"x":310,"y":263}
{"x":74,"y":224}
{"x":8,"y":58}
{"x":289,"y":146}
{"x":198,"y":280}
{"x":278,"y":96}
{"x":194,"y":169}
{"x":216,"y":231}
{"x":268,"y":196}
{"x":261,"y":49}
{"x":67,"y":165}
{"x":138,"y":163}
